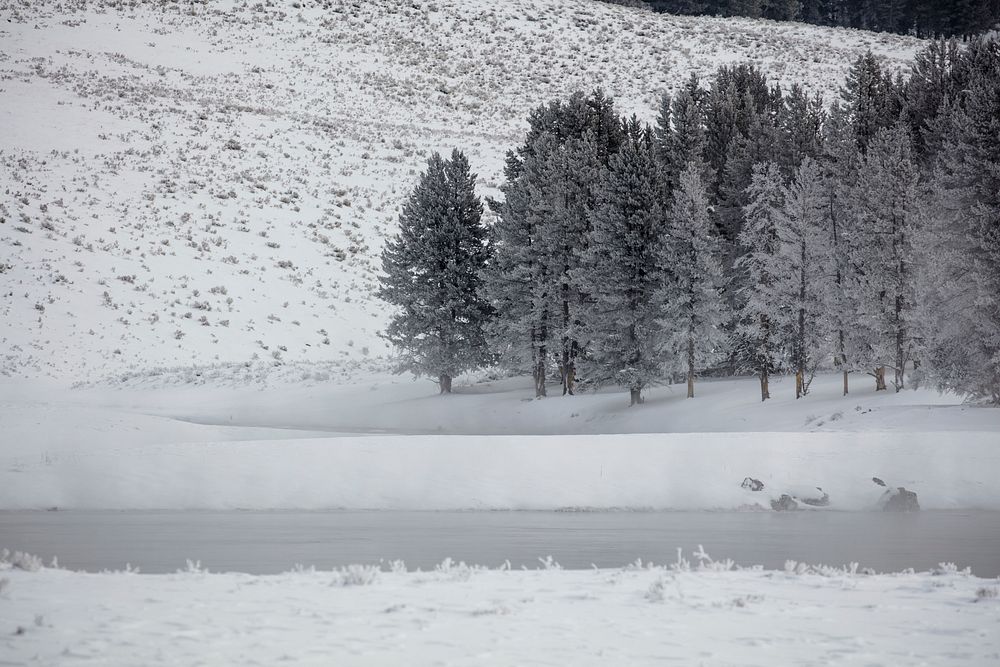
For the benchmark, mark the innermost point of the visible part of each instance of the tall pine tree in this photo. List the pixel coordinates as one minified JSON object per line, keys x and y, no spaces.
{"x":620,"y":273}
{"x":694,"y":311}
{"x":881,"y":250}
{"x":432,"y":273}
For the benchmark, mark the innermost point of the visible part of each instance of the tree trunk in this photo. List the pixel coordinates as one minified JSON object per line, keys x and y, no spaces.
{"x":690,"y":373}
{"x":765,"y":391}
{"x":542,"y":357}
{"x":900,"y":362}
{"x":880,"y":379}
{"x":845,"y":383}
{"x":570,"y":380}
{"x":539,"y":375}
{"x":444,"y":383}
{"x":799,"y":383}
{"x":635,"y":396}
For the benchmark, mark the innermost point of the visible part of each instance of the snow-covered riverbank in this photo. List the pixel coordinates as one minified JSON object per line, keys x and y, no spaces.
{"x":646,"y":471}
{"x":392,"y":444}
{"x":470,"y":616}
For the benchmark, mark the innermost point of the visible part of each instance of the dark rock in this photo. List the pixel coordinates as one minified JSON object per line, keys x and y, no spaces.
{"x":899,"y":500}
{"x":817,"y":501}
{"x":752,"y":484}
{"x":878,"y":481}
{"x":784,"y":504}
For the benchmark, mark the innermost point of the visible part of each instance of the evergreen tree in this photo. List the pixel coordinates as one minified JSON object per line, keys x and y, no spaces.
{"x":514,"y":281}
{"x":620,"y":274}
{"x":757,"y":332}
{"x":960,"y":286}
{"x":840,"y":161}
{"x":680,"y":133}
{"x":694,"y":311}
{"x":805,"y":265}
{"x":563,"y":197}
{"x":432,"y":271}
{"x":885,"y":221}
{"x":550,"y":183}
{"x":518,"y":282}
{"x":872,"y":100}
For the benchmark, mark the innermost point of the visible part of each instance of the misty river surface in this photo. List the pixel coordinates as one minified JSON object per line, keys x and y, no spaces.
{"x":275,"y":541}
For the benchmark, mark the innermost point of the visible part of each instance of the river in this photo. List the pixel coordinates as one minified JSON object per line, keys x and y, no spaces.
{"x":275,"y":541}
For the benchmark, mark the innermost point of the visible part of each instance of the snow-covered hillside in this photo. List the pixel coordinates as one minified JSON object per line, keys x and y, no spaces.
{"x":192,"y":183}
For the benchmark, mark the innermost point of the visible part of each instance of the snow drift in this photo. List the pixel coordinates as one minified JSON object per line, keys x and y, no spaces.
{"x":639,"y":471}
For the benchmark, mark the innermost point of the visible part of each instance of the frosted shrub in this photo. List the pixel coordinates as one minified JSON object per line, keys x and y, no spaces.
{"x":455,"y":571}
{"x":549,"y":563}
{"x":949,"y":568}
{"x":19,"y":560}
{"x":356,"y":575}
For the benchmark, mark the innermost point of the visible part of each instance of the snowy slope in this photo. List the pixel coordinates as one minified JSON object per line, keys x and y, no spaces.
{"x":391,"y":444}
{"x":199,"y":183}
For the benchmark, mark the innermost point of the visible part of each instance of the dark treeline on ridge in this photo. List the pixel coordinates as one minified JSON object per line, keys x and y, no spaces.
{"x":750,"y":230}
{"x":923,"y":18}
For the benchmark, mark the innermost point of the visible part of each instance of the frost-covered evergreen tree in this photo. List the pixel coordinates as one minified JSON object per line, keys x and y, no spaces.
{"x":757,"y":332}
{"x":839,"y":159}
{"x":543,"y":230}
{"x":885,"y":220}
{"x":960,"y":287}
{"x":432,"y":272}
{"x":805,"y":265}
{"x":680,"y":133}
{"x":563,"y":196}
{"x":517,"y":280}
{"x":871,"y":98}
{"x":620,"y":272}
{"x":694,"y":311}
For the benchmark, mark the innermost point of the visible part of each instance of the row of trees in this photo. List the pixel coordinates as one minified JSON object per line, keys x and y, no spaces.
{"x":749,"y":230}
{"x":923,"y":18}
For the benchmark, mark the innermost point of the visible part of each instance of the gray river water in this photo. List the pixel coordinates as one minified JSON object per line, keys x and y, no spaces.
{"x":269,"y":542}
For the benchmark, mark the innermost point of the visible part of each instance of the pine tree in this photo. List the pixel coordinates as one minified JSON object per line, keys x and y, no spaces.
{"x":840,"y":161}
{"x":517,"y":281}
{"x":757,"y":332}
{"x":680,"y":133}
{"x":543,"y":231}
{"x":432,"y":272}
{"x":872,"y":100}
{"x":563,"y":195}
{"x":619,"y":272}
{"x":806,"y":265}
{"x":960,"y":289}
{"x":885,"y":220}
{"x":694,"y":311}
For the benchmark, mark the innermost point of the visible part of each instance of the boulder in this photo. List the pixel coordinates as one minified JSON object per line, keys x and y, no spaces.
{"x":784,"y":504}
{"x":820,"y":500}
{"x":899,"y":500}
{"x":752,"y":484}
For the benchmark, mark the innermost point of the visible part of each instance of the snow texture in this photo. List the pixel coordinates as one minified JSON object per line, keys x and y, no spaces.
{"x":693,"y":611}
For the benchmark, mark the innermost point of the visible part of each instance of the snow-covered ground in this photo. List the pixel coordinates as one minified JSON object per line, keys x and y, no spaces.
{"x":197,"y":182}
{"x":705,"y":613}
{"x":391,"y":443}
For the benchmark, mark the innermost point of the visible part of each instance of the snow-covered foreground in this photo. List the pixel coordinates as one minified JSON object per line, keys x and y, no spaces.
{"x":459,"y":615}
